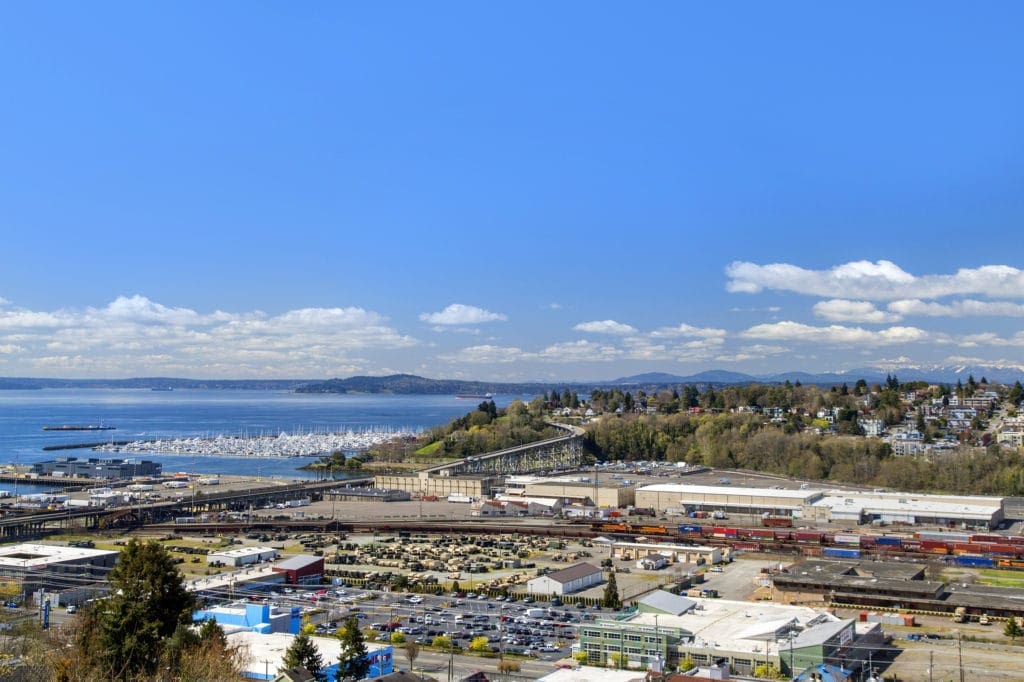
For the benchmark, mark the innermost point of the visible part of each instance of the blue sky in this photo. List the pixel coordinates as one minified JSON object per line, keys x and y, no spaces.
{"x":508,"y":190}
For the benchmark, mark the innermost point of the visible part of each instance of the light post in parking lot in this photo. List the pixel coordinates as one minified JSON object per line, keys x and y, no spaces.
{"x":501,"y":637}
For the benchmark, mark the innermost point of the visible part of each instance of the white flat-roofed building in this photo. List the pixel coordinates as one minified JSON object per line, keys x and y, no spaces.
{"x":908,"y":508}
{"x":693,"y":554}
{"x":266,"y":654}
{"x":242,"y":556}
{"x":745,"y":634}
{"x":729,"y":499}
{"x":54,"y":567}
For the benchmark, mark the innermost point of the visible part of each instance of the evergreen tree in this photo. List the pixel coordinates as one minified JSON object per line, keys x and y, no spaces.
{"x":611,"y":598}
{"x":353,"y":663}
{"x":147,"y":603}
{"x":302,"y":653}
{"x":1013,"y":629}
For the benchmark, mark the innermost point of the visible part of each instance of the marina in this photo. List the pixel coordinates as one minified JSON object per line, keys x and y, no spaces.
{"x":281,"y":445}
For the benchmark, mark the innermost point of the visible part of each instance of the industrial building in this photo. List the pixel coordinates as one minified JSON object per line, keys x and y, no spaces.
{"x":743,"y":634}
{"x":260,"y":617}
{"x":95,"y":467}
{"x":54,"y":568}
{"x":242,"y":556}
{"x":566,"y":581}
{"x":727,"y":499}
{"x":965,"y":511}
{"x":827,"y":506}
{"x":302,"y":569}
{"x":357,"y":494}
{"x":266,"y":654}
{"x":691,"y":554}
{"x":890,"y":584}
{"x":573,"y":490}
{"x":440,"y":486}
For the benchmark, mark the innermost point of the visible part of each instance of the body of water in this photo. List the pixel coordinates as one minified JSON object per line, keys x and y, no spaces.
{"x":146,"y":414}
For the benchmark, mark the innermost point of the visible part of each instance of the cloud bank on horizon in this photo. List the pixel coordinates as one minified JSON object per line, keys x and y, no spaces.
{"x":860,"y":309}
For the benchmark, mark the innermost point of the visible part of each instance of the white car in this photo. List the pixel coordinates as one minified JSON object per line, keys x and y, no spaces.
{"x":415,"y":600}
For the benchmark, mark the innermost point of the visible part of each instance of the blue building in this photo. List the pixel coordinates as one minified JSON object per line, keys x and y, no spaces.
{"x":256,"y":617}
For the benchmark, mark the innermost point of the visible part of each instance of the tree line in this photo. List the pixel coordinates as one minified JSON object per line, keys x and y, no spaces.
{"x":747,"y":441}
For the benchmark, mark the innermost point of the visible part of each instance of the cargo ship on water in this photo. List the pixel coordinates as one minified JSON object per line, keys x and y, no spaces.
{"x":474,"y":396}
{"x":80,"y":427}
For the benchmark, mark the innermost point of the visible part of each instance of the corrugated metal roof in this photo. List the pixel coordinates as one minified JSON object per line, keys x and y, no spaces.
{"x":298,"y":562}
{"x":574,"y":572}
{"x":666,"y":602}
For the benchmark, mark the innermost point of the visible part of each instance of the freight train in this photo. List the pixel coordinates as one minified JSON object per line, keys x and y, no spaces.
{"x":963,"y":549}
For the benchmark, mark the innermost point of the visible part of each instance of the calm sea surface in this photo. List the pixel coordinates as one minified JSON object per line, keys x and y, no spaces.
{"x":146,"y":414}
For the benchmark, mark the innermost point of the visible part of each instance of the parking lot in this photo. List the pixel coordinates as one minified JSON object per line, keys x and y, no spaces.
{"x":522,"y":628}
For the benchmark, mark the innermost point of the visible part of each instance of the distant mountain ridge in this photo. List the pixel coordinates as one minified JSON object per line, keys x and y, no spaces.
{"x":410,"y":384}
{"x":29,"y":383}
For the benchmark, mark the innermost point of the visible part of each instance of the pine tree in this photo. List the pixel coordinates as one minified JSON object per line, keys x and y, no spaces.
{"x":147,"y":603}
{"x":353,"y":663}
{"x":302,"y":653}
{"x":1013,"y":629}
{"x":611,"y":598}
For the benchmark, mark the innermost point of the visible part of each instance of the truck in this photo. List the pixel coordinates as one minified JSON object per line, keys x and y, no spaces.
{"x":536,"y":613}
{"x":960,"y":615}
{"x":455,"y":497}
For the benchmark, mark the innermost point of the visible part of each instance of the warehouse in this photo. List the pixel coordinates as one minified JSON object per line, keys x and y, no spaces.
{"x":744,"y":634}
{"x":566,"y":581}
{"x":440,"y":486}
{"x":94,"y":467}
{"x":690,"y":554}
{"x":242,"y":556}
{"x":303,"y":569}
{"x":31,"y":567}
{"x":908,"y":508}
{"x":832,"y":506}
{"x":574,"y":490}
{"x":727,"y":499}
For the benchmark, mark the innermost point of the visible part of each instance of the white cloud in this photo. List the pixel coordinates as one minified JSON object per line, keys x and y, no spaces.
{"x":686,"y":330}
{"x":485,"y":354}
{"x":134,"y":335}
{"x":579,"y":351}
{"x":553,"y":306}
{"x":457,"y":313}
{"x":754,"y":352}
{"x":842,"y":310}
{"x":604,"y":327}
{"x":990,"y":339}
{"x":875,"y":281}
{"x":965,"y":308}
{"x":9,"y":348}
{"x":838,"y":335}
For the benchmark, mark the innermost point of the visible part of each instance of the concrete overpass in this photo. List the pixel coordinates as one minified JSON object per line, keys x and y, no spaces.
{"x":35,"y":524}
{"x":561,"y":452}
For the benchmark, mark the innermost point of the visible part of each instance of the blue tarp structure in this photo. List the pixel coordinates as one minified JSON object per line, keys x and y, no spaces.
{"x":826,"y":673}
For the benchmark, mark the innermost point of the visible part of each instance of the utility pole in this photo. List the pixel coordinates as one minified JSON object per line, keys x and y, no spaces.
{"x":931,"y":664}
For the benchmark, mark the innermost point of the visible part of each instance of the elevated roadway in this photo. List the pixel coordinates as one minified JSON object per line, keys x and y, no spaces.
{"x":559,"y":452}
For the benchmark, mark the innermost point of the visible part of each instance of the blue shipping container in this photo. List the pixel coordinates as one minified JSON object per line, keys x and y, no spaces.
{"x":841,"y":553}
{"x":687,"y":528}
{"x":974,"y":561}
{"x":888,"y":540}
